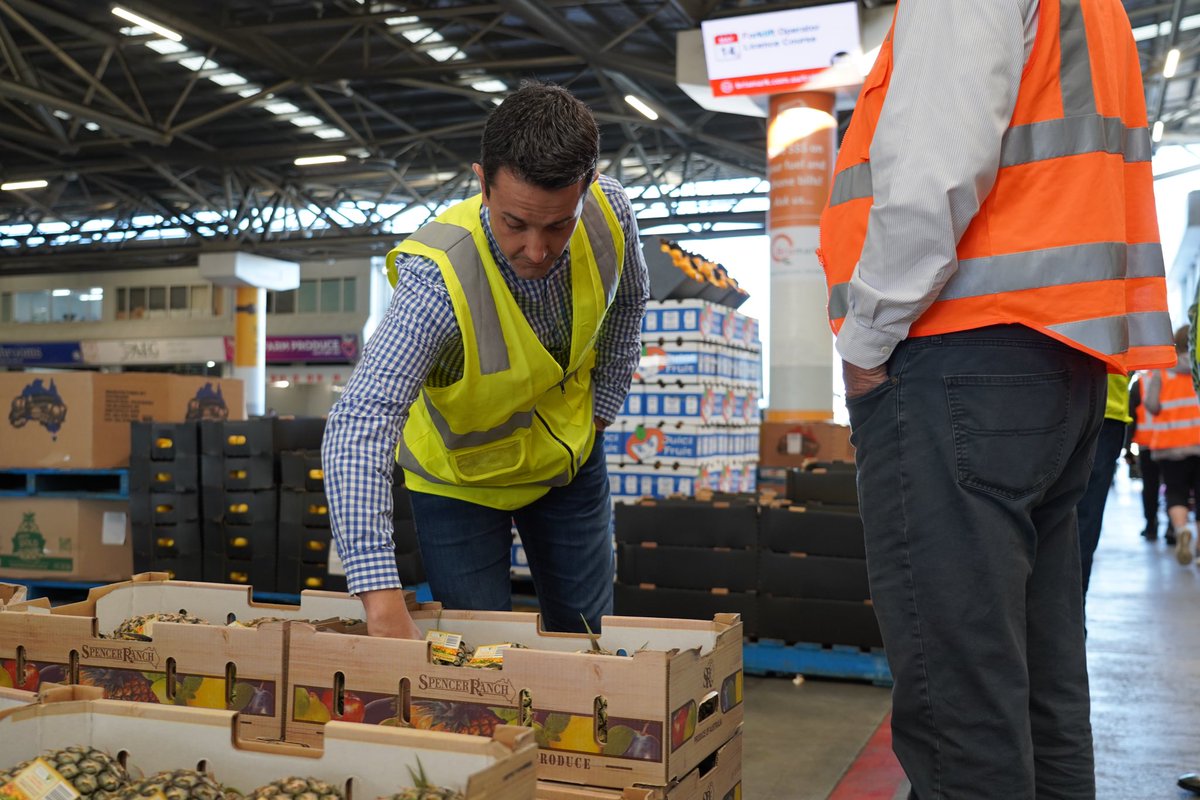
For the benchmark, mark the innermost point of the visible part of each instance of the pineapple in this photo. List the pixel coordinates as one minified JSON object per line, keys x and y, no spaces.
{"x":180,"y":784}
{"x":119,"y":684}
{"x":422,"y":789}
{"x":94,"y":773}
{"x":297,"y":789}
{"x":255,"y":623}
{"x":141,"y":627}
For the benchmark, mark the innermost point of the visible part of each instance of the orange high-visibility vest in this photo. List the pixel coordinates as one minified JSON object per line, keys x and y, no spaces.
{"x":1067,"y":241}
{"x":1178,"y":423}
{"x":1143,"y":435}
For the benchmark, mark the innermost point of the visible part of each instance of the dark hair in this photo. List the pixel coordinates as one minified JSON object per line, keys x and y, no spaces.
{"x":1181,"y":339}
{"x":544,"y":135}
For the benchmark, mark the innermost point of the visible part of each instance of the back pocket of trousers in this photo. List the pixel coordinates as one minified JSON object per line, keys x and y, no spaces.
{"x":1009,"y":430}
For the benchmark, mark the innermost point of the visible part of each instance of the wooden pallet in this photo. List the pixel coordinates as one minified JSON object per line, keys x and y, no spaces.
{"x":90,"y":484}
{"x":773,"y":657}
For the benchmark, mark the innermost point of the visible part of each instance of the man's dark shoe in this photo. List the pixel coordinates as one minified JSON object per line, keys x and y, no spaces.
{"x":1191,"y":782}
{"x":1170,"y":537}
{"x":1150,"y":533}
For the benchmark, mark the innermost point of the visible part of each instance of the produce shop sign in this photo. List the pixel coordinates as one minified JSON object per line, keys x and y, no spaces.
{"x":286,"y":349}
{"x":780,"y":51}
{"x":39,"y":354}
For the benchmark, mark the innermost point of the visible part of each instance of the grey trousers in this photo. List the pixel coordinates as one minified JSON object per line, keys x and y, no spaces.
{"x":971,"y":460}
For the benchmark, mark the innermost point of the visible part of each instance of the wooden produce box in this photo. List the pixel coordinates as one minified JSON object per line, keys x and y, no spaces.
{"x":11,"y":593}
{"x":363,"y":762}
{"x":718,"y":778}
{"x":11,"y":698}
{"x":206,"y":666}
{"x":671,"y":703}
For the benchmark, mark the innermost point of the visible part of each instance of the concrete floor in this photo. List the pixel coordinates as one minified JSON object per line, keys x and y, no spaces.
{"x":1144,"y":663}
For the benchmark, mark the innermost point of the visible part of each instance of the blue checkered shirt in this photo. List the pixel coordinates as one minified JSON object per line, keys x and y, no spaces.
{"x":418,"y":342}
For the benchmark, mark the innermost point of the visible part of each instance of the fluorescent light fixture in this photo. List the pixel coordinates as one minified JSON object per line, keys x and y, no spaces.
{"x":640,"y":105}
{"x":91,"y":126}
{"x":281,"y":384}
{"x":128,"y":15}
{"x":417,"y":34}
{"x":329,"y":133}
{"x":61,"y":293}
{"x":249,"y":91}
{"x":1172,"y":63}
{"x":449,"y":53}
{"x":306,"y":121}
{"x":17,"y":186}
{"x":210,"y":364}
{"x":490,"y":85}
{"x":90,"y":298}
{"x":166,"y":47}
{"x":197,"y":63}
{"x":227,"y":79}
{"x":401,"y":20}
{"x":1158,"y":131}
{"x":61,"y":114}
{"x":310,"y":160}
{"x":282,"y":108}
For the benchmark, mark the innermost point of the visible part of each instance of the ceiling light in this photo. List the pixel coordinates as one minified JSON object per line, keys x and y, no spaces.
{"x":166,"y":47}
{"x":249,"y":91}
{"x":401,"y":20}
{"x":1158,"y":131}
{"x":490,"y":85}
{"x":166,"y":33}
{"x":197,"y":63}
{"x":282,"y":108}
{"x":17,"y":186}
{"x":1172,"y":63}
{"x":307,"y":121}
{"x":640,"y":105}
{"x":61,"y":293}
{"x":329,"y":133}
{"x":227,"y":79}
{"x":61,"y":114}
{"x":91,"y":126}
{"x":417,"y":34}
{"x":280,"y":384}
{"x":210,"y":364}
{"x":310,"y":160}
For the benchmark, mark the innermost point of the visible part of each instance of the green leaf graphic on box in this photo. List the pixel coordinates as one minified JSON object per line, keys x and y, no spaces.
{"x":154,"y":676}
{"x":187,"y":688}
{"x":552,"y":729}
{"x":510,"y":716}
{"x":243,"y":693}
{"x":619,"y":740}
{"x":300,"y":701}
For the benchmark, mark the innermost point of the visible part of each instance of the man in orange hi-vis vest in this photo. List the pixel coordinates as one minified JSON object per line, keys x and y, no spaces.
{"x":991,"y":251}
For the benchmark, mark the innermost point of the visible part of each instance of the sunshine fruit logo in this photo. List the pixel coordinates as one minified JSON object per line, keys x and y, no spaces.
{"x":41,"y":404}
{"x":653,"y":361}
{"x":645,"y":443}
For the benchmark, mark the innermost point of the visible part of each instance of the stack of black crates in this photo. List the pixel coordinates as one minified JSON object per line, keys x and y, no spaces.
{"x":794,"y":569}
{"x":164,"y":499}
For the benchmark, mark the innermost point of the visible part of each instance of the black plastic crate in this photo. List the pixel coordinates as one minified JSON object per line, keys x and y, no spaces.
{"x":164,"y":441}
{"x":260,"y":573}
{"x":309,"y":509}
{"x":834,"y":488}
{"x":635,"y":601}
{"x":241,"y":508}
{"x":304,"y":544}
{"x":154,"y":542}
{"x":238,"y":473}
{"x":265,"y":435}
{"x":180,"y":476}
{"x":815,"y":577}
{"x":817,"y":532}
{"x":163,"y":508}
{"x":827,"y":622}
{"x":295,"y":576}
{"x":301,"y":471}
{"x":241,"y":542}
{"x":687,"y":567}
{"x":688,"y":523}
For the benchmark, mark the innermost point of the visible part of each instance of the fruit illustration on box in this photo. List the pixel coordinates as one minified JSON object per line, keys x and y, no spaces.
{"x":731,"y":691}
{"x":40,"y":404}
{"x":27,"y":678}
{"x":645,"y":443}
{"x":353,"y":709}
{"x":683,"y":725}
{"x":453,"y":717}
{"x":576,"y":733}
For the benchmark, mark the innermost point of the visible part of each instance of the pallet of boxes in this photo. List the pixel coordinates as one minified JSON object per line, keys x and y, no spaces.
{"x":645,"y":709}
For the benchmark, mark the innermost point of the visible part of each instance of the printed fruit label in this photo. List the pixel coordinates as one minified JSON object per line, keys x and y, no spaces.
{"x":39,"y":781}
{"x":444,"y":646}
{"x":488,"y":655}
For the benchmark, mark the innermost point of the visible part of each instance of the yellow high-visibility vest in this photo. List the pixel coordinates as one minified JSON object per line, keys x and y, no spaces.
{"x":517,"y":423}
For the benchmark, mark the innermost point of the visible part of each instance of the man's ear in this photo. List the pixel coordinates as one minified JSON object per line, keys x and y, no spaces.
{"x":477,"y":168}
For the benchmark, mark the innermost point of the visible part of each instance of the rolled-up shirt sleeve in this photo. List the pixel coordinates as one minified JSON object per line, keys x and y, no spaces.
{"x":934,"y":158}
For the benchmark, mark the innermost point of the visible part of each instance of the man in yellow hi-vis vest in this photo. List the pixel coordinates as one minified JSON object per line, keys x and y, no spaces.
{"x":509,"y":344}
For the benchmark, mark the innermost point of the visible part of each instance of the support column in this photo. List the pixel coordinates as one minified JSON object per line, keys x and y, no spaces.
{"x":801,"y":146}
{"x":250,"y":346}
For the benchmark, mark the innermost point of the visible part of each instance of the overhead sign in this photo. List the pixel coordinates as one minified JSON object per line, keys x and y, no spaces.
{"x":197,"y":350}
{"x":39,"y":354}
{"x":312,"y":348}
{"x":781,"y":51}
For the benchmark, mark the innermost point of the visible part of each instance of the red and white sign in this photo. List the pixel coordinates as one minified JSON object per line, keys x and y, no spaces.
{"x":781,"y":51}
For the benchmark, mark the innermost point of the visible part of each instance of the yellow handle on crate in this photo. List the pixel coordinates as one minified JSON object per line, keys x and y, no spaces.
{"x":316,"y":474}
{"x":318,"y":509}
{"x":238,"y":474}
{"x":240,"y":541}
{"x":164,"y":444}
{"x":236,"y":439}
{"x":165,"y":542}
{"x":163,"y":477}
{"x":313,"y":544}
{"x":239,"y":577}
{"x":313,"y":583}
{"x":164,"y":509}
{"x":239,"y":508}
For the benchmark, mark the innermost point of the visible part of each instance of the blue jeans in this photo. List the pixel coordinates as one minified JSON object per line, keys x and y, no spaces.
{"x":466,"y":549}
{"x":971,"y":460}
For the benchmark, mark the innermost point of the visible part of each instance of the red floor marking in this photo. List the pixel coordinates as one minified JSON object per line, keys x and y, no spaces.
{"x":875,"y":774}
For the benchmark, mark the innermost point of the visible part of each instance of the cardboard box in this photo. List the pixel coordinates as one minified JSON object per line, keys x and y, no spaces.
{"x":77,"y":420}
{"x":674,"y":358}
{"x":238,"y":473}
{"x":795,"y":444}
{"x":816,"y":577}
{"x":65,"y":539}
{"x":213,"y":666}
{"x":361,"y":762}
{"x":11,"y":593}
{"x":11,"y":698}
{"x":719,"y":778}
{"x":667,"y":707}
{"x":818,"y":532}
{"x":688,"y":567}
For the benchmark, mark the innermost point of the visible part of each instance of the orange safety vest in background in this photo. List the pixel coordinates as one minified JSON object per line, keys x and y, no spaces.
{"x":1067,"y":241}
{"x":1178,"y":424}
{"x":1143,"y":434}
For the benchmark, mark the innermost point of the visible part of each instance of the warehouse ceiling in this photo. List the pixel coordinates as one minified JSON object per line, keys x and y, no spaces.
{"x":156,"y":149}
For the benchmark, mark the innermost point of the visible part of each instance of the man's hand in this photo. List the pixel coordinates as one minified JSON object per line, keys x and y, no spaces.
{"x":600,"y":424}
{"x":387,"y":615}
{"x":859,"y":381}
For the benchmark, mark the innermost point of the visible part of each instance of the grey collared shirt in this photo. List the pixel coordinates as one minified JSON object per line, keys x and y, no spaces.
{"x":955,"y":78}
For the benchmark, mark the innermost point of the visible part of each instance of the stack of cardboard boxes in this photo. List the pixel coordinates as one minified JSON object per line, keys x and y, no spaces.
{"x":691,"y":418}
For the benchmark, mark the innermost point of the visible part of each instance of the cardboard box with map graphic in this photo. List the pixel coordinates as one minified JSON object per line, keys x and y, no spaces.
{"x":64,"y":539}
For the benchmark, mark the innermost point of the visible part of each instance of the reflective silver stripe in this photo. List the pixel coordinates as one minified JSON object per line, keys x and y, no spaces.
{"x":852,"y":183}
{"x":561,"y":479}
{"x":458,"y":441}
{"x":1038,"y":269}
{"x":1112,"y":335}
{"x":1075,"y":70}
{"x":1178,"y":425}
{"x":1073,"y":136}
{"x":406,"y":459}
{"x":459,"y":246}
{"x":1179,"y":403}
{"x":839,"y":301}
{"x":604,"y":249}
{"x":1057,"y":266}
